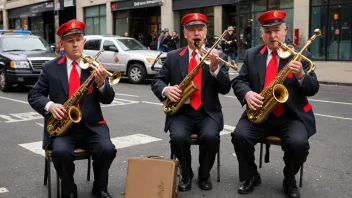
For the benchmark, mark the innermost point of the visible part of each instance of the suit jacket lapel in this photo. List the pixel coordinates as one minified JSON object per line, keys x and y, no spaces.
{"x":282,"y":64}
{"x":61,"y":70}
{"x":261,"y":66}
{"x":84,"y":75}
{"x":205,"y":74}
{"x":183,"y":62}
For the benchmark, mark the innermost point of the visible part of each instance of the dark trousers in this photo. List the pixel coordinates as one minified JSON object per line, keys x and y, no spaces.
{"x":188,"y":122}
{"x":102,"y":150}
{"x":295,"y":145}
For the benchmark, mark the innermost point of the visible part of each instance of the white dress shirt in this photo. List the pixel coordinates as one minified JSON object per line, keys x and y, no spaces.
{"x":197,"y":57}
{"x":69,"y":67}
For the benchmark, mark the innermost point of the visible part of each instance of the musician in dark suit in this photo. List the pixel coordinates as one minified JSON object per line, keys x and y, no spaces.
{"x":60,"y":79}
{"x":201,"y":113}
{"x":293,"y":121}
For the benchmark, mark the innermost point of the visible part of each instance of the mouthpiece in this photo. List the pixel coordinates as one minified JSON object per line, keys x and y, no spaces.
{"x":196,"y":42}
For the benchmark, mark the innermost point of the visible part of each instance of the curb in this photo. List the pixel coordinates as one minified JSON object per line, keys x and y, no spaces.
{"x":335,"y":83}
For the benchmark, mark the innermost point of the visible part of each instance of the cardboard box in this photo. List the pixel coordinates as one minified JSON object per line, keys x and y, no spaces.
{"x":149,"y":177}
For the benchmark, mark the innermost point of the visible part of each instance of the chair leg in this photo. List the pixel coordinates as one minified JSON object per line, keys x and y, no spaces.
{"x":88,"y":171}
{"x":58,"y":188}
{"x":45,"y":171}
{"x":301,"y":177}
{"x":218,"y":167}
{"x":261,"y":155}
{"x":49,"y":176}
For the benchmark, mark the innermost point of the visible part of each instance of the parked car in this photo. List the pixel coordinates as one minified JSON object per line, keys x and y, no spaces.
{"x":125,"y":55}
{"x":21,"y":57}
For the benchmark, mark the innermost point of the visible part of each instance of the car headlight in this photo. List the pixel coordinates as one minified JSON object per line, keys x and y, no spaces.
{"x":150,"y":60}
{"x":19,"y":64}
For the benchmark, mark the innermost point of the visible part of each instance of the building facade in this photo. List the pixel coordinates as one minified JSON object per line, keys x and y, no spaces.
{"x":144,"y":20}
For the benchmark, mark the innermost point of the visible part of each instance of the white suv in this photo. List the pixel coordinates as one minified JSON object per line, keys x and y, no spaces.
{"x":125,"y":55}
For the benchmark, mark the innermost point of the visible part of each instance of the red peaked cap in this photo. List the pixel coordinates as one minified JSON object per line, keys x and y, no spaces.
{"x":194,"y":19}
{"x":71,"y":27}
{"x":272,"y":17}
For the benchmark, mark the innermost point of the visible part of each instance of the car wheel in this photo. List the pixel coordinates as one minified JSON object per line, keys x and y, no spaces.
{"x":4,"y":82}
{"x":136,"y":73}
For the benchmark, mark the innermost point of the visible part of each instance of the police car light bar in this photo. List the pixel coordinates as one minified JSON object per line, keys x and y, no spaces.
{"x":16,"y":31}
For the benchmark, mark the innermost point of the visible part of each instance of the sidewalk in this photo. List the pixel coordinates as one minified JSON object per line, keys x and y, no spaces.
{"x":332,"y":72}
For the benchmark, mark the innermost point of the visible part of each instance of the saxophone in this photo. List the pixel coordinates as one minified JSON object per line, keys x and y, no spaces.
{"x":276,"y":92}
{"x":74,"y":115}
{"x":187,"y":86}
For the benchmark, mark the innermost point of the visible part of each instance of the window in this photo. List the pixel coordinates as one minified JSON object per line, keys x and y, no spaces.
{"x":92,"y":45}
{"x":107,"y":45}
{"x":95,"y":19}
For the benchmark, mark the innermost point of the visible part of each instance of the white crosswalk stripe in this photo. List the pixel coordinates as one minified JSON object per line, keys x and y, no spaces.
{"x":119,"y":142}
{"x":3,"y":190}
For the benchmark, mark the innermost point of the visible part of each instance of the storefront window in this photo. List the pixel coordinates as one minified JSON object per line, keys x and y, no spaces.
{"x":319,"y":16}
{"x":280,"y":4}
{"x":319,"y":2}
{"x":95,"y":19}
{"x":335,"y":21}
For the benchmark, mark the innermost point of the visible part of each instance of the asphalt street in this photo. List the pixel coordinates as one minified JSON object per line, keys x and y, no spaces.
{"x":136,"y":124}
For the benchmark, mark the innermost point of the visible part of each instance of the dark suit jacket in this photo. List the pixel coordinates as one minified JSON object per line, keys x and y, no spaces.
{"x":175,"y":69}
{"x":251,"y":78}
{"x":53,"y":82}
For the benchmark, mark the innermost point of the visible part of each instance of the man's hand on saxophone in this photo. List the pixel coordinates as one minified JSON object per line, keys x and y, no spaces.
{"x":297,"y":69}
{"x":58,"y":111}
{"x":100,"y":75}
{"x":254,"y":100}
{"x":214,"y":63}
{"x":173,"y":93}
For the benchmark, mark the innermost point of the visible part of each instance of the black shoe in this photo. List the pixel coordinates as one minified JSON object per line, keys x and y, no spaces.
{"x":185,"y":184}
{"x":248,"y":186}
{"x":101,"y":194}
{"x":292,"y":191}
{"x":205,"y":184}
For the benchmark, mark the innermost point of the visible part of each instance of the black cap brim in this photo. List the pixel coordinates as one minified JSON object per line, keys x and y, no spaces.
{"x":194,"y":23}
{"x":272,"y":23}
{"x":73,"y":31}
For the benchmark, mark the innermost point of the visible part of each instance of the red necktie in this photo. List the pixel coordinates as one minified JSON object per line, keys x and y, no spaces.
{"x":74,"y":81}
{"x":269,"y":76}
{"x":196,"y":97}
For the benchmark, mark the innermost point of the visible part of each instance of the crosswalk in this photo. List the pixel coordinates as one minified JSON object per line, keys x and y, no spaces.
{"x":119,"y":142}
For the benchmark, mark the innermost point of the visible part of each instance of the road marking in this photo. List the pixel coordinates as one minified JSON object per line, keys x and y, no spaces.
{"x":3,"y":190}
{"x":327,"y":101}
{"x":227,"y":129}
{"x":119,"y":101}
{"x":119,"y":94}
{"x":14,"y":100}
{"x":21,"y":117}
{"x":330,"y":116}
{"x":314,"y":100}
{"x":42,"y":125}
{"x":119,"y":142}
{"x":154,"y":103}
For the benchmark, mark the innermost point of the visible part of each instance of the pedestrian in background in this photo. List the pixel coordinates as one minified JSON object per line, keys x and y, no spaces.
{"x":172,"y":44}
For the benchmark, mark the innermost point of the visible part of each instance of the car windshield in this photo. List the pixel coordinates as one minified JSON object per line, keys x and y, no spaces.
{"x":130,"y":44}
{"x":10,"y":44}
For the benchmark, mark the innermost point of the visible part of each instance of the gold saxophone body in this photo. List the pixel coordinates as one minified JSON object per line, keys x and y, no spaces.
{"x":74,"y":115}
{"x":276,"y":92}
{"x":187,"y":86}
